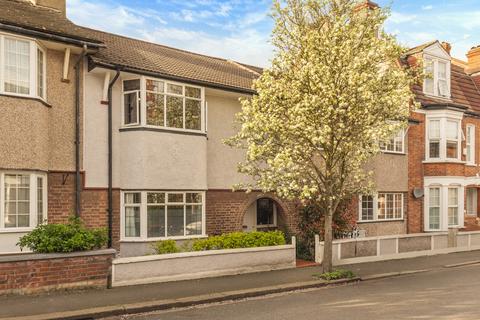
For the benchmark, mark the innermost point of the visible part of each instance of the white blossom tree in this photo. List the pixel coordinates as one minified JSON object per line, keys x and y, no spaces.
{"x":336,"y":88}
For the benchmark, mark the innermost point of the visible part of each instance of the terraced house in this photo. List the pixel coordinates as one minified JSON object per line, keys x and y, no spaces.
{"x":128,"y":134}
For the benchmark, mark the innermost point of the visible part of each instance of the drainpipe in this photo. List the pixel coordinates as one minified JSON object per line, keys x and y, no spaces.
{"x":77,"y":131}
{"x":110,"y":152}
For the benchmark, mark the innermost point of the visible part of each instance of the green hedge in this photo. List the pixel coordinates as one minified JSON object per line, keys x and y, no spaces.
{"x":61,"y":238}
{"x":165,"y":246}
{"x":237,"y":240}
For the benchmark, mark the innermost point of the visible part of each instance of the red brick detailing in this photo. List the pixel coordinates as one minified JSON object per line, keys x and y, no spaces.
{"x":94,"y":204}
{"x":416,"y":154}
{"x":225,"y":210}
{"x":68,"y":272}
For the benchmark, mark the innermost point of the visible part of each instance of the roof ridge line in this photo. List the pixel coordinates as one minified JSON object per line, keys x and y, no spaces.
{"x":241,"y":66}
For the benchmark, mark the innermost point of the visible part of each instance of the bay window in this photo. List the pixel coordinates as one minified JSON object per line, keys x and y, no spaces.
{"x":444,"y":203}
{"x":22,"y":67}
{"x":381,"y":207}
{"x":443,"y":139}
{"x":437,"y":81}
{"x":472,"y":196}
{"x":163,"y":104}
{"x":150,"y":215}
{"x":22,"y":200}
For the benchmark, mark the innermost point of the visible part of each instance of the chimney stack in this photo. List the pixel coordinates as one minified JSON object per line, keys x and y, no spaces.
{"x":447,"y":46}
{"x":473,"y":64}
{"x":366,"y":4}
{"x":57,"y":5}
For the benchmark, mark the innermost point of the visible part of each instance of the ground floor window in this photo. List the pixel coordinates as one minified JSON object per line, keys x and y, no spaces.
{"x":472,"y":201}
{"x":444,"y":206}
{"x":22,"y":200}
{"x":159,"y":214}
{"x":382,"y":207}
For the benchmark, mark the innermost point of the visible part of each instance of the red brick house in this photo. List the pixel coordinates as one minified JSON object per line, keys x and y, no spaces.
{"x":128,"y":135}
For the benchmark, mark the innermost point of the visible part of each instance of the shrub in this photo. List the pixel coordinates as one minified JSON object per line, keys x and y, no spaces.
{"x":61,"y":238}
{"x":337,"y":274}
{"x":240,"y":240}
{"x":165,"y":246}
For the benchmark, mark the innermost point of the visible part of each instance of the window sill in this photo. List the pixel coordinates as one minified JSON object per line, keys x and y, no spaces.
{"x":140,"y":240}
{"x":16,"y":230}
{"x":444,"y":161}
{"x":378,"y":221}
{"x":429,"y":95}
{"x":42,"y":101}
{"x":393,"y":153}
{"x":167,"y":130}
{"x":471,"y":164}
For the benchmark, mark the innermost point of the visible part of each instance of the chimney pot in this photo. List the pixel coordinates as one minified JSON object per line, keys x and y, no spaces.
{"x":447,"y":46}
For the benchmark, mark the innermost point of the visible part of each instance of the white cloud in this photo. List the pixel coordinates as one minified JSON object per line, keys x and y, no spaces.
{"x":428,"y":7}
{"x":398,"y":17}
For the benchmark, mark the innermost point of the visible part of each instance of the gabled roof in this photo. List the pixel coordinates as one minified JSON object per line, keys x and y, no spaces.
{"x":464,"y":91}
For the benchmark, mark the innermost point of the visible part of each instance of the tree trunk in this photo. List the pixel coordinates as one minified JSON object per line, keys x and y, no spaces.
{"x":328,"y":241}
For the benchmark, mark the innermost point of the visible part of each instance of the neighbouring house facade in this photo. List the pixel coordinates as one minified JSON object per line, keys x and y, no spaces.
{"x":129,"y":135}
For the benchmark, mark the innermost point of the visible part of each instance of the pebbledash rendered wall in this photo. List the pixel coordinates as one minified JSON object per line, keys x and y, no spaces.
{"x":34,"y":273}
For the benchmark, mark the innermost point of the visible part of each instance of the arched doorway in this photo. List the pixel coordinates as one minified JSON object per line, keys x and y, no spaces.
{"x":263,"y":214}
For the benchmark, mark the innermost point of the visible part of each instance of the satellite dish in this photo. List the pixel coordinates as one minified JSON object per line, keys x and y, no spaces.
{"x":418,"y":192}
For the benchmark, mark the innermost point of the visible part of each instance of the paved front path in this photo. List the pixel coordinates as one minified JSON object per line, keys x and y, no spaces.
{"x":438,"y":295}
{"x":59,"y":302}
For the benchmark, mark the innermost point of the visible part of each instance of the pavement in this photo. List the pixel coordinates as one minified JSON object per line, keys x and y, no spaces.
{"x":145,"y":298}
{"x":441,"y":294}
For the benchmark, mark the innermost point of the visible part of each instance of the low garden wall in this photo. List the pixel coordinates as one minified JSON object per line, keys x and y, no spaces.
{"x":35,"y":272}
{"x":347,"y":251}
{"x":201,"y":264}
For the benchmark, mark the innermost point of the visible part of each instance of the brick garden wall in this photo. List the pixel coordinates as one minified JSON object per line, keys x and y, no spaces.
{"x":33,"y":273}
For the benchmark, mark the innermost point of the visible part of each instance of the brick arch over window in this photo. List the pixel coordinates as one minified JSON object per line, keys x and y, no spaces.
{"x":225,"y":210}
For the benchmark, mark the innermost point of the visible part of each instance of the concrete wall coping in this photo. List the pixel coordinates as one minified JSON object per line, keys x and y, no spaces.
{"x":399,"y":236}
{"x":47,"y":256}
{"x":201,"y":253}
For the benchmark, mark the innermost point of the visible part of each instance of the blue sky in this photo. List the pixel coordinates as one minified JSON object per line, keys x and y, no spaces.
{"x":240,"y":29}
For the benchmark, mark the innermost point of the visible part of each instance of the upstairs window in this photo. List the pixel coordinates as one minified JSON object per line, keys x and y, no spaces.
{"x":22,"y":68}
{"x":443,"y":139}
{"x":437,"y":80}
{"x":470,"y":144}
{"x":394,"y":144}
{"x":166,"y":104}
{"x":434,"y":139}
{"x":452,"y":139}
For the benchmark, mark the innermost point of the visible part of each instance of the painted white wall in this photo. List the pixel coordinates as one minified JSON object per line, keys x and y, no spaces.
{"x":8,"y":242}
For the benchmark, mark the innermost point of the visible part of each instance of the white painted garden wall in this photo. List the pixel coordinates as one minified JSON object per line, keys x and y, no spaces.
{"x":369,"y":249}
{"x":201,"y":264}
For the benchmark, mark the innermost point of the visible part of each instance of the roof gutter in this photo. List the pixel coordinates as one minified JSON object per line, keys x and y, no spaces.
{"x":112,"y":66}
{"x":110,"y":157}
{"x":52,"y":37}
{"x":77,"y":131}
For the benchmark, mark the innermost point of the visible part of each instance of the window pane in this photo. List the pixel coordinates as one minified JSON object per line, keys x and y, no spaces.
{"x":265,"y":213}
{"x":471,"y":201}
{"x":131,"y":85}
{"x":174,"y":112}
{"x":193,"y":92}
{"x":132,"y":221}
{"x":193,"y":114}
{"x":428,"y":84}
{"x":452,"y":149}
{"x":155,"y":221}
{"x":17,"y":66}
{"x":367,"y":208}
{"x":156,"y":197}
{"x":434,"y":218}
{"x":40,"y":73}
{"x":442,"y":70}
{"x":434,"y":197}
{"x":194,"y":198}
{"x":434,"y":150}
{"x":153,"y":85}
{"x":175,"y":197}
{"x":175,"y":221}
{"x":131,"y":108}
{"x":17,"y":200}
{"x":434,"y":129}
{"x":452,"y":196}
{"x":382,"y":203}
{"x":452,"y":130}
{"x":173,"y":88}
{"x":155,"y":109}
{"x":39,"y":200}
{"x":132,"y":198}
{"x":452,"y":216}
{"x":194,"y":220}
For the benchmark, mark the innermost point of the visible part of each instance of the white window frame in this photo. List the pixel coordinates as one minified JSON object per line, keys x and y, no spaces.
{"x":400,"y":136}
{"x":444,"y":183}
{"x":34,"y":45}
{"x":457,"y":206}
{"x":33,"y":200}
{"x":470,"y":144}
{"x":443,"y":117}
{"x":376,"y":210}
{"x":143,"y":105}
{"x":436,"y":77}
{"x":139,"y":99}
{"x":144,"y":218}
{"x":474,"y":203}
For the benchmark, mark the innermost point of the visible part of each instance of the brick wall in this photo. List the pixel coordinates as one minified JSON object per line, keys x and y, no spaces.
{"x":225,"y":210}
{"x":33,"y":273}
{"x":94,"y":203}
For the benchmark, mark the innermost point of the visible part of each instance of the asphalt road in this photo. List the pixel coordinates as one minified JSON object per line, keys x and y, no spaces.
{"x":452,"y":293}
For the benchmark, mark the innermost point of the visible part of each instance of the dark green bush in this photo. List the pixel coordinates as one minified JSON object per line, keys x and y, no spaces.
{"x":60,"y":238}
{"x":165,"y":246}
{"x":236,"y":240}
